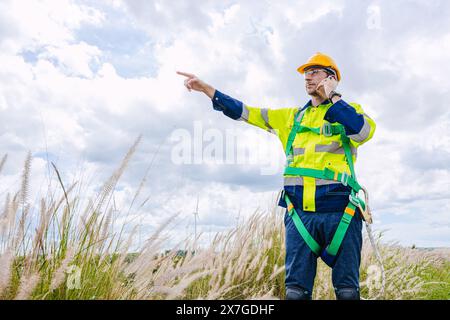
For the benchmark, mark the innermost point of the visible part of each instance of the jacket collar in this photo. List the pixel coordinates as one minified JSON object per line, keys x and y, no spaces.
{"x":309,"y":104}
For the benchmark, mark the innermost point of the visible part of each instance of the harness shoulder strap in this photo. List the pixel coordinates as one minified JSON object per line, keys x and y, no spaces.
{"x":293,"y":132}
{"x":348,"y":153}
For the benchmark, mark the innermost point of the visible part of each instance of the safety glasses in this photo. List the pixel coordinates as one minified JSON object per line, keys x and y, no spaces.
{"x":313,"y":72}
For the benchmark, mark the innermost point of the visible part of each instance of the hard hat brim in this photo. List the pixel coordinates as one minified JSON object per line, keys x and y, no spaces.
{"x":302,"y":68}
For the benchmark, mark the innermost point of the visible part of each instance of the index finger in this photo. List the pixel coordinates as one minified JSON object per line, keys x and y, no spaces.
{"x":190,"y":75}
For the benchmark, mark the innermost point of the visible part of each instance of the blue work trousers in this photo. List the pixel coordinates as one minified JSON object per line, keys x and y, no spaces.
{"x":301,"y":262}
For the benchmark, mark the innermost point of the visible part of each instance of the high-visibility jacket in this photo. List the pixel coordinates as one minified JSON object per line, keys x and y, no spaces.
{"x":310,"y":150}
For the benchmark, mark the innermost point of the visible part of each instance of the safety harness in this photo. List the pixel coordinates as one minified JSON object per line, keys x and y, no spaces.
{"x":329,"y":253}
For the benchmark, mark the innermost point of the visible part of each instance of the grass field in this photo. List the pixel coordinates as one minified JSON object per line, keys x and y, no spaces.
{"x":64,"y":251}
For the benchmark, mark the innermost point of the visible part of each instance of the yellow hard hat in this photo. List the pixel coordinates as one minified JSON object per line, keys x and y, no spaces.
{"x":320,"y":59}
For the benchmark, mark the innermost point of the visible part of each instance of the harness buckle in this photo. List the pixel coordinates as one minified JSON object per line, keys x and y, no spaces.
{"x":327,"y":130}
{"x":344,"y":178}
{"x":354,"y":199}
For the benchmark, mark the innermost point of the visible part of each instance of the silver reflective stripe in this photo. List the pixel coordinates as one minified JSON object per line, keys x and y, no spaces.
{"x":299,"y":151}
{"x":333,"y":148}
{"x":300,"y":115}
{"x":245,"y":113}
{"x":265,"y":116}
{"x":293,"y":181}
{"x":298,"y":181}
{"x":323,"y":182}
{"x":362,"y":134}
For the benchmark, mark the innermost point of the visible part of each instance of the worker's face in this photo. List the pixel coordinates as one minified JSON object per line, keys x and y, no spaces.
{"x":313,"y":76}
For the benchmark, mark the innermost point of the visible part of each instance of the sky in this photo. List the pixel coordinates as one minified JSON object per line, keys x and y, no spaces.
{"x":81,"y":80}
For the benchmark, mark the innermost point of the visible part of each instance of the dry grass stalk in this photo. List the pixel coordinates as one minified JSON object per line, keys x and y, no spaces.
{"x":6,"y":261}
{"x":60,"y":273}
{"x":3,"y":161}
{"x":27,"y":285}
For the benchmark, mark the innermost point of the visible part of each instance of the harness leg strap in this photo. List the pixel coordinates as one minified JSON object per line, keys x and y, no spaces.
{"x":329,"y":254}
{"x":312,"y":244}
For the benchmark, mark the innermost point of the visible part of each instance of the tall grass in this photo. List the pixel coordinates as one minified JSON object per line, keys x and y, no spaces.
{"x":61,"y":250}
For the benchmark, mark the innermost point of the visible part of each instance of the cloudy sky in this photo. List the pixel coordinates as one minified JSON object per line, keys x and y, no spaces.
{"x":81,"y":80}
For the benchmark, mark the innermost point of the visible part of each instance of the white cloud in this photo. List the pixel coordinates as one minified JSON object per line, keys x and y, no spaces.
{"x":300,"y":14}
{"x":47,"y":22}
{"x":74,"y":59}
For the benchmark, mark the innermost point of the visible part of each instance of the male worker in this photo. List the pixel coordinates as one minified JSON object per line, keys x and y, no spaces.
{"x":320,"y":188}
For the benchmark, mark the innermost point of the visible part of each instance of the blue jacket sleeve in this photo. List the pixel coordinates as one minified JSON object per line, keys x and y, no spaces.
{"x":346,"y":115}
{"x":229,"y":106}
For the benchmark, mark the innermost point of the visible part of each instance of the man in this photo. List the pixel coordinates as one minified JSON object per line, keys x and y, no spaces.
{"x":323,"y":216}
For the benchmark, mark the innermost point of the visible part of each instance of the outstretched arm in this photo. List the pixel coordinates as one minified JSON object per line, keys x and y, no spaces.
{"x":221,"y":102}
{"x":267,"y":119}
{"x":192,"y":82}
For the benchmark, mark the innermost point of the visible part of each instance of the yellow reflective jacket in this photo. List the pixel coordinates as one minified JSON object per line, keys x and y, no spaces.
{"x":310,"y":150}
